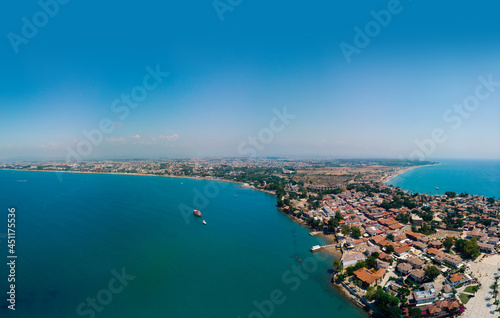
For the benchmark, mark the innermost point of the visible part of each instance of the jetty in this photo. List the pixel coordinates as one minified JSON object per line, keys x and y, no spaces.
{"x":315,"y":233}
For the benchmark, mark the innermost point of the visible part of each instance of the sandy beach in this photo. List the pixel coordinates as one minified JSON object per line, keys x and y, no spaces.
{"x":400,"y":171}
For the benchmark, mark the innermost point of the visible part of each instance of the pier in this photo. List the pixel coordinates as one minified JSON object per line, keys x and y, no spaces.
{"x":315,"y":233}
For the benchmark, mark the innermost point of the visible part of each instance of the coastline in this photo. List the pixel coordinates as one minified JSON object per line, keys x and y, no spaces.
{"x":243,"y":184}
{"x":403,"y":170}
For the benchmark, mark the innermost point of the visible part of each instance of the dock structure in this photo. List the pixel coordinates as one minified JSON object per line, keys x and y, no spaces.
{"x":315,"y":233}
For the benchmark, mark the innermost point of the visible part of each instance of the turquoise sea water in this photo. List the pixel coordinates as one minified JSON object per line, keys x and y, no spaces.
{"x":479,"y":177}
{"x":72,"y":231}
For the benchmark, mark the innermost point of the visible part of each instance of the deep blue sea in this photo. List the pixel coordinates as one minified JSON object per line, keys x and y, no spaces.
{"x":92,"y":245}
{"x":479,"y":177}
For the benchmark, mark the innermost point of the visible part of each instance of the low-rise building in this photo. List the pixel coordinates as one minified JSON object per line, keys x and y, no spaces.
{"x":420,"y":245}
{"x":413,"y":235}
{"x":382,"y":264}
{"x":428,"y":295}
{"x":453,"y":260}
{"x":369,"y":277}
{"x":436,"y":244}
{"x":486,"y":248}
{"x":457,"y":279}
{"x":417,"y":275}
{"x":352,"y":258}
{"x":404,"y":268}
{"x":400,"y":251}
{"x":415,"y":262}
{"x":433,"y":252}
{"x":372,"y":249}
{"x":416,"y":220}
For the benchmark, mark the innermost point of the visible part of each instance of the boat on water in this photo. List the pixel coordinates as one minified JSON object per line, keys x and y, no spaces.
{"x":197,"y":213}
{"x":204,"y":222}
{"x":437,"y":188}
{"x":315,"y":248}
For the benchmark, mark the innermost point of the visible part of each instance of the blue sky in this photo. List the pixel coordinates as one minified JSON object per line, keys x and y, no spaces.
{"x":226,"y":78}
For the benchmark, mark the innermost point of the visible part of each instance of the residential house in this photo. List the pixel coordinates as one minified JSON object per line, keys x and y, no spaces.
{"x":453,"y":260}
{"x":436,"y":244}
{"x":420,"y":245}
{"x":417,"y":275}
{"x":415,"y":262}
{"x":400,"y":251}
{"x":413,"y":235}
{"x":457,"y":279}
{"x":352,"y":258}
{"x":444,"y":308}
{"x":492,"y":240}
{"x":382,"y":264}
{"x":486,"y":248}
{"x":416,"y":220}
{"x":383,"y":256}
{"x":433,"y":252}
{"x":368,"y":277}
{"x":424,"y":239}
{"x":372,"y":249}
{"x":404,"y":268}
{"x":428,"y":295}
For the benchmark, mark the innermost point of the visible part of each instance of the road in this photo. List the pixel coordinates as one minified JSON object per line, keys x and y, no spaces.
{"x":482,"y":304}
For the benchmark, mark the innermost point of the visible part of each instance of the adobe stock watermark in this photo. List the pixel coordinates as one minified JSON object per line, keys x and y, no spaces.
{"x":455,"y":116}
{"x":201,"y":199}
{"x":121,"y":107}
{"x":30,"y":28}
{"x":265,"y":136}
{"x":104,"y":297}
{"x":363,"y":37}
{"x":223,"y":6}
{"x":293,"y":279}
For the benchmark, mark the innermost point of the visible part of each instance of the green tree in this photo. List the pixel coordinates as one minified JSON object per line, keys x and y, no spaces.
{"x":403,"y":218}
{"x":371,"y":261}
{"x":403,"y":292}
{"x":448,"y":243}
{"x":338,"y":216}
{"x":332,"y":224}
{"x":389,"y":249}
{"x":346,"y":229}
{"x":390,"y":237}
{"x":356,"y":232}
{"x":337,"y":265}
{"x":415,"y":313}
{"x":370,"y":292}
{"x":432,"y":272}
{"x":450,"y":194}
{"x":387,"y":304}
{"x":471,"y":249}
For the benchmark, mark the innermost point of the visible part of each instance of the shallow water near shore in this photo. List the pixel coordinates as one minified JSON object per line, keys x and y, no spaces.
{"x":128,"y":243}
{"x":478,"y":177}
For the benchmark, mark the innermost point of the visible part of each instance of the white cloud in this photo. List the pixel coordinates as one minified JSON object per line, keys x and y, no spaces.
{"x":113,"y":139}
{"x":169,"y":138}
